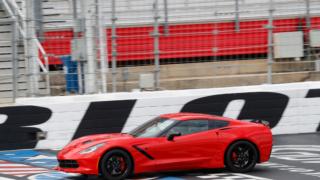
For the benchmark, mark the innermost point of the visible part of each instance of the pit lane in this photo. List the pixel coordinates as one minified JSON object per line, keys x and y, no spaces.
{"x":294,"y":157}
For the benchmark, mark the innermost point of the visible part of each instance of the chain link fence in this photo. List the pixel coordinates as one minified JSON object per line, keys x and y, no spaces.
{"x":92,"y":46}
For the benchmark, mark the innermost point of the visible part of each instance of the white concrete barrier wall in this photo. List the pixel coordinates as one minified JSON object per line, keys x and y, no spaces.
{"x":290,"y":108}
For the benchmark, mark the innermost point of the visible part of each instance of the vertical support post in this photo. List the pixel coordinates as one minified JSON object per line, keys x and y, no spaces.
{"x":166,"y":18}
{"x":38,"y":14}
{"x":270,"y":41}
{"x":77,"y":28}
{"x":114,"y":45}
{"x":308,"y":26}
{"x":32,"y":50}
{"x":237,"y":14}
{"x":102,"y":46}
{"x":15,"y":62}
{"x":25,"y":42}
{"x":308,"y":17}
{"x":156,"y":36}
{"x":90,"y":63}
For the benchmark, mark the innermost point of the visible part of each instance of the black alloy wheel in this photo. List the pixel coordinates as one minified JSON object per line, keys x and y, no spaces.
{"x":241,"y":157}
{"x":116,"y":165}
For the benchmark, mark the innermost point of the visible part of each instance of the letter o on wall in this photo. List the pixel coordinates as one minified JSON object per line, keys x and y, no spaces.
{"x":266,"y":106}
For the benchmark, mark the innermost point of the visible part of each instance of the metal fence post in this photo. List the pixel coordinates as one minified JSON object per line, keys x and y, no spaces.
{"x":114,"y":46}
{"x":166,"y":18}
{"x":102,"y":47}
{"x":15,"y":62}
{"x":77,"y":29}
{"x":38,"y":18}
{"x":31,"y":50}
{"x":270,"y":41}
{"x":82,"y":63}
{"x":156,"y":36}
{"x":90,"y":65}
{"x":237,"y":14}
{"x":308,"y":26}
{"x":38,"y":14}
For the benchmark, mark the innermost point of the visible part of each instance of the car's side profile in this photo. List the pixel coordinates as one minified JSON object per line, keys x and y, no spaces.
{"x":170,"y":142}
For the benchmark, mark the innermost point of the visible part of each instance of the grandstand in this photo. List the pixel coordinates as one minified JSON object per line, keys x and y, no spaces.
{"x":13,"y":66}
{"x":202,"y":43}
{"x":198,"y":28}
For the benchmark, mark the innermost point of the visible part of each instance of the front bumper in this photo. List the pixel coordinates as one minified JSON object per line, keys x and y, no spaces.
{"x":72,"y":163}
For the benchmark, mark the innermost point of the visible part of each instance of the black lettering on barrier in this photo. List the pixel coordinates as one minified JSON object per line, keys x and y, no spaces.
{"x":266,"y":106}
{"x":105,"y":117}
{"x":314,"y":93}
{"x":15,"y":133}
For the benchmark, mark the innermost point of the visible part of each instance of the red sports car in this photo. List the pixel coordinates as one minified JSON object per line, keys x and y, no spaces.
{"x":171,"y":142}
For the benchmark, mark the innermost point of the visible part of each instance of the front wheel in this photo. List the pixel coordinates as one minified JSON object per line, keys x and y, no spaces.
{"x":241,"y":157}
{"x":116,"y":165}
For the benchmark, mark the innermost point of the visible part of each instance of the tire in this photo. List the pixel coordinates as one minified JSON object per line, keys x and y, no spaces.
{"x":84,"y":176}
{"x":241,"y":157}
{"x":116,"y":165}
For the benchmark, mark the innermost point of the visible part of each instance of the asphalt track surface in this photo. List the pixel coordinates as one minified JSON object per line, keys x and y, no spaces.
{"x":294,"y":157}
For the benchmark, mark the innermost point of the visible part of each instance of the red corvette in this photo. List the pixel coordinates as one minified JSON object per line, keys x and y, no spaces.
{"x":171,"y":142}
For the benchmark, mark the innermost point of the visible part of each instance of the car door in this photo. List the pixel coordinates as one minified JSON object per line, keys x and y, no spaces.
{"x":195,"y":148}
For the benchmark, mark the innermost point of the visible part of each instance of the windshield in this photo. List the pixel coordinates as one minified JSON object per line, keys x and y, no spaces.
{"x":153,"y":128}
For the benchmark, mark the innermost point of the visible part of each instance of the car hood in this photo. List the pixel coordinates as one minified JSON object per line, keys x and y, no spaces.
{"x":91,"y":140}
{"x":100,"y":137}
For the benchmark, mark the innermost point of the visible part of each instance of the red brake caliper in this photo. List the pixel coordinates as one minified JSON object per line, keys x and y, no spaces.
{"x":122,"y":164}
{"x":234,"y":156}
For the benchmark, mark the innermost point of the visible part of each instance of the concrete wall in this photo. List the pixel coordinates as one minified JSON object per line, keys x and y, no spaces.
{"x":290,"y":109}
{"x":207,"y":75}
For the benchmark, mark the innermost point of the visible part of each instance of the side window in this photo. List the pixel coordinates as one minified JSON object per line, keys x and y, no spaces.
{"x":190,"y":127}
{"x":215,"y":124}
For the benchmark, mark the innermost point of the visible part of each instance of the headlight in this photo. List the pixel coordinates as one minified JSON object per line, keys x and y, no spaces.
{"x":92,"y":148}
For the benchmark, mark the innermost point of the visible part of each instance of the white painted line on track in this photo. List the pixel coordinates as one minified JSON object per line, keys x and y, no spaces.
{"x":4,"y":178}
{"x":19,"y":169}
{"x":231,"y":176}
{"x":13,"y":165}
{"x":25,"y":172}
{"x":253,"y":177}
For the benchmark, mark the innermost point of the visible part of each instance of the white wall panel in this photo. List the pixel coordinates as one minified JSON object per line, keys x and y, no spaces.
{"x":300,"y":114}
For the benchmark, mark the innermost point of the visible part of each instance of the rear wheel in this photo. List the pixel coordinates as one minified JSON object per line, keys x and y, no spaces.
{"x":241,"y":157}
{"x":116,"y":165}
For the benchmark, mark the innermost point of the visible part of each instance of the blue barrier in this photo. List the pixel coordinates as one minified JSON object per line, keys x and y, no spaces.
{"x":71,"y":74}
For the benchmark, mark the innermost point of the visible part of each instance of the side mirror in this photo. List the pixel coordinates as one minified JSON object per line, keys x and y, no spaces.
{"x":170,"y":137}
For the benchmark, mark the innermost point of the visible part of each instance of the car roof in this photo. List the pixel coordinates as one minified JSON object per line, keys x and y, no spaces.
{"x":193,"y":116}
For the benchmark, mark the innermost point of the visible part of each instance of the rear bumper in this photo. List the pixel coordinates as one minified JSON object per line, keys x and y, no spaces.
{"x":265,"y":153}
